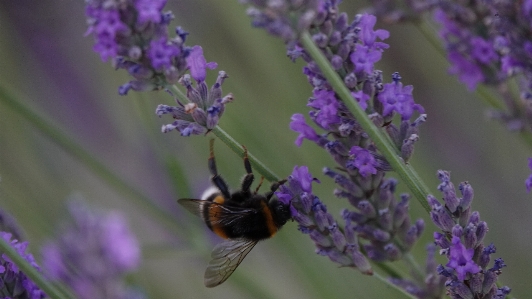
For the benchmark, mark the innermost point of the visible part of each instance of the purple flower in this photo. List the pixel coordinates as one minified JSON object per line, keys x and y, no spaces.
{"x":205,"y":109}
{"x":198,"y":65}
{"x":106,"y":47}
{"x":161,"y":53}
{"x":314,"y":220}
{"x":460,"y":259}
{"x":379,"y":219}
{"x":487,"y":42}
{"x":467,"y":52}
{"x":528,"y":181}
{"x":466,"y":270}
{"x":305,"y":131}
{"x":361,"y":98}
{"x":364,"y":58}
{"x":13,"y":282}
{"x":93,"y":254}
{"x":149,"y":10}
{"x":395,"y":97}
{"x":283,"y":19}
{"x":369,"y":51}
{"x":327,"y":106}
{"x":369,"y":36}
{"x":468,"y":72}
{"x":134,"y":35}
{"x":363,"y":160}
{"x":483,"y":50}
{"x":302,"y":176}
{"x":108,"y":27}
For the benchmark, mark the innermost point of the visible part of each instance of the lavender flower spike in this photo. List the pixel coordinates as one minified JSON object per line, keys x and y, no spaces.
{"x":467,"y":272}
{"x":14,"y":283}
{"x":528,"y":181}
{"x":379,"y":218}
{"x":133,"y":35}
{"x":285,"y":18}
{"x":206,"y":106}
{"x":487,"y":42}
{"x":313,"y":219}
{"x":93,"y":254}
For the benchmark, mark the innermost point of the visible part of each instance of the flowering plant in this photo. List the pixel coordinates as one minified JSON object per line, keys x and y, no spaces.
{"x":348,"y":102}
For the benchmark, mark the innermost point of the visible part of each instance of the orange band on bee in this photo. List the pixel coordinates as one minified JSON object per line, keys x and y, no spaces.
{"x":215,"y":213}
{"x":219,"y":199}
{"x":272,"y":228}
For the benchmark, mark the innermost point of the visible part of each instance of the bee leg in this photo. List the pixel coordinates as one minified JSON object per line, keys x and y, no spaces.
{"x":274,"y":188}
{"x":248,"y":179}
{"x":260,"y":184}
{"x":216,"y":178}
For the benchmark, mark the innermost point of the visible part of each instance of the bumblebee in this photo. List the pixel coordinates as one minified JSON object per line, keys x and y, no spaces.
{"x":242,"y":217}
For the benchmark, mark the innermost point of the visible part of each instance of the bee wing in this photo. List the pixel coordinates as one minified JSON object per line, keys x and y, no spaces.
{"x":224,"y":215}
{"x":226,"y":257}
{"x":194,"y":206}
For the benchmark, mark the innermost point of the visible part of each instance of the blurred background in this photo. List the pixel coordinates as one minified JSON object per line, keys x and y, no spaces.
{"x":48,"y":65}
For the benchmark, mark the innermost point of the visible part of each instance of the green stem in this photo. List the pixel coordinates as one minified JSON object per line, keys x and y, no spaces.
{"x":239,"y":150}
{"x":232,"y":143}
{"x":413,"y":264}
{"x":389,"y":283}
{"x":100,"y":169}
{"x":384,"y":267}
{"x":178,"y":93}
{"x":405,"y":171}
{"x":488,"y":97}
{"x":31,"y":272}
{"x":428,"y":33}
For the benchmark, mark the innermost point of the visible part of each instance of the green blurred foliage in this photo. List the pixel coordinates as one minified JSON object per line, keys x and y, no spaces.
{"x":49,"y":65}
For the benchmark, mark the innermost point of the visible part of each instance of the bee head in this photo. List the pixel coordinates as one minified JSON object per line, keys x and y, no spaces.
{"x":281,"y":212}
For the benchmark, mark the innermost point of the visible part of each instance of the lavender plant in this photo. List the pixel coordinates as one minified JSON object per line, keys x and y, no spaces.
{"x":461,"y":241}
{"x":352,"y":49}
{"x":369,"y":131}
{"x":134,"y":36}
{"x":93,"y":254}
{"x":487,"y":43}
{"x":466,"y":274}
{"x":14,"y":283}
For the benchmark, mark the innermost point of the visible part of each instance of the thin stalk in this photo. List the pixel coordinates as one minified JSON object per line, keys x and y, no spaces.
{"x":428,"y":33}
{"x":232,"y":143}
{"x":413,"y":264}
{"x":178,"y":93}
{"x":404,"y":170}
{"x":239,"y":150}
{"x":31,"y":272}
{"x":389,"y":283}
{"x":385,"y":267}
